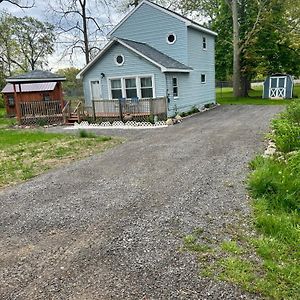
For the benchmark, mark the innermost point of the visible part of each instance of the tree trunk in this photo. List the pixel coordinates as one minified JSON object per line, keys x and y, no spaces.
{"x":237,"y":90}
{"x":85,"y":33}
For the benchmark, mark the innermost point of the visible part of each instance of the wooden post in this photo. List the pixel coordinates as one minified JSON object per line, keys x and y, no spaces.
{"x":94,"y":111}
{"x":17,"y":104}
{"x":151,"y":108}
{"x":61,"y":95}
{"x":120,"y":110}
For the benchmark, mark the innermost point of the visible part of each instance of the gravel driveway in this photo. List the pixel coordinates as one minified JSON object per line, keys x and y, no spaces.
{"x":111,"y":226}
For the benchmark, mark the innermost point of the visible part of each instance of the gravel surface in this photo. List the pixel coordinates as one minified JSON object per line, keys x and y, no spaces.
{"x":111,"y":226}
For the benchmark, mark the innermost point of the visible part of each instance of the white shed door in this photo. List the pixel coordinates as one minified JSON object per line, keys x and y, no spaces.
{"x":277,"y":87}
{"x":95,"y":90}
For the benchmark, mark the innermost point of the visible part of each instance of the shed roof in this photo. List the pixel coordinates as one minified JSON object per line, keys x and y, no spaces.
{"x":30,"y":87}
{"x":36,"y":76}
{"x":161,"y":60}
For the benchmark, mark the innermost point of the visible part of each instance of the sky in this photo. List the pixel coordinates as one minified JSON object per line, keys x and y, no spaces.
{"x":42,"y":11}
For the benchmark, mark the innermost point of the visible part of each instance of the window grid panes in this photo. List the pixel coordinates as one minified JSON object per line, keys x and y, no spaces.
{"x":116,"y":88}
{"x":131,"y":90}
{"x":204,"y":43}
{"x":175,"y":86}
{"x":146,"y":87}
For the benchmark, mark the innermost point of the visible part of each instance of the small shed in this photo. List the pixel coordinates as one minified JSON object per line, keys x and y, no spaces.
{"x":33,"y":95}
{"x":278,"y":86}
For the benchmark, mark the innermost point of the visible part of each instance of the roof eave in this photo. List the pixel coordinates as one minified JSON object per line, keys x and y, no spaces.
{"x":167,"y":70}
{"x":35,"y":80}
{"x":200,"y":28}
{"x":92,"y":62}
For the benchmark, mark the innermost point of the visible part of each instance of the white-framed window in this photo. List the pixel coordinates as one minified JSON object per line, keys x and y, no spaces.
{"x":141,"y":86}
{"x":130,"y":88}
{"x":203,"y":78}
{"x":146,"y":84}
{"x":171,"y":38}
{"x":119,"y":60}
{"x":116,"y":88}
{"x":204,"y":43}
{"x":175,"y":86}
{"x":95,"y":89}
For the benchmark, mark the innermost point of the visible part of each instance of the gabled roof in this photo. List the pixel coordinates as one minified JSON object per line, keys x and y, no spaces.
{"x":161,"y":60}
{"x":30,"y":87}
{"x":188,"y":22}
{"x":35,"y":76}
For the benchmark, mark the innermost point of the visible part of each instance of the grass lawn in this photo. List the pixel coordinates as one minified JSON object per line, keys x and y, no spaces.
{"x":4,"y":121}
{"x":27,"y":153}
{"x":225,"y":96}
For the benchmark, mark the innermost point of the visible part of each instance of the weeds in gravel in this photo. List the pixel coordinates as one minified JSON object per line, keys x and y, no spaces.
{"x":267,"y":262}
{"x":25,"y":154}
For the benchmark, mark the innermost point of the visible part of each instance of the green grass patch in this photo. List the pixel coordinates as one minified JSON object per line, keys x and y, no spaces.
{"x":225,"y":97}
{"x":27,"y":153}
{"x":5,"y":121}
{"x":267,"y":262}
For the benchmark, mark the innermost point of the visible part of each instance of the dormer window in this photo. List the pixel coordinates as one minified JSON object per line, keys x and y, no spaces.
{"x":171,"y":38}
{"x":119,"y":60}
{"x":204,"y":45}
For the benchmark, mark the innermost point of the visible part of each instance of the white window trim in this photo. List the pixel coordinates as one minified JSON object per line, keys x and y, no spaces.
{"x":138,"y":84}
{"x":100,"y":87}
{"x":115,"y":58}
{"x":204,"y":49}
{"x":175,"y":97}
{"x":203,"y":82}
{"x":167,"y":38}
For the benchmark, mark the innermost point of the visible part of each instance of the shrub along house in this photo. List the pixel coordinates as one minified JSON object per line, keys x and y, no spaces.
{"x":153,"y":53}
{"x":34,"y":96}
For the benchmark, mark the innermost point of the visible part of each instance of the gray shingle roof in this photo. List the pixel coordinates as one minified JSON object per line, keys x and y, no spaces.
{"x":155,"y":55}
{"x":36,"y":76}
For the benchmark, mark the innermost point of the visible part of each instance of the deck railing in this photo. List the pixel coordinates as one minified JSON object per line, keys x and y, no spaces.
{"x":136,"y":108}
{"x":40,"y":111}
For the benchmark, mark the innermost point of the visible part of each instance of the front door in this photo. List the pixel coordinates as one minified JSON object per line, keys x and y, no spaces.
{"x":95,"y":90}
{"x":277,"y":87}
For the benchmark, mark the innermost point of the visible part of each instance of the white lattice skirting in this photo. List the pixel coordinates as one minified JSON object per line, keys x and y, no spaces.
{"x":119,"y":125}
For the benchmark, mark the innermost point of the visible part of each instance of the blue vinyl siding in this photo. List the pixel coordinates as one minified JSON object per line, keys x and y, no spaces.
{"x":191,"y":91}
{"x":150,"y":25}
{"x":133,"y":65}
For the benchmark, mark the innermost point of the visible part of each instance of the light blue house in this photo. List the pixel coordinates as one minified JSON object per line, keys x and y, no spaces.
{"x":154,"y":52}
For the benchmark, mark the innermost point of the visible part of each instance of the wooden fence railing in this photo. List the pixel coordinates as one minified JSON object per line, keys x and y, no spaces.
{"x":40,"y":111}
{"x":137,"y":108}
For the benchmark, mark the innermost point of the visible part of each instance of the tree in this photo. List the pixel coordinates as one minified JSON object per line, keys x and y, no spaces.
{"x":25,"y":43}
{"x":72,"y":86}
{"x":81,"y":24}
{"x":254,"y":30}
{"x":20,"y":3}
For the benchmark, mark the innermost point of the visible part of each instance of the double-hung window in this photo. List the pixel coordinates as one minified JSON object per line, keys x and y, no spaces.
{"x":204,"y":44}
{"x":116,"y":88}
{"x":175,"y":86}
{"x":130,"y":88}
{"x":203,"y":78}
{"x":146,"y":87}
